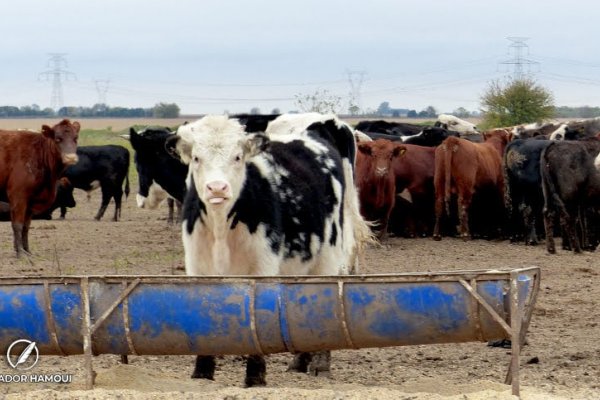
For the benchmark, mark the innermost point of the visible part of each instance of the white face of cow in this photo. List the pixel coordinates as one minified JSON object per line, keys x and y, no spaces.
{"x":216,"y":149}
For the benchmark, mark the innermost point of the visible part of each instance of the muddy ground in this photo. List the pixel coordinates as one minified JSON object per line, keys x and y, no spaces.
{"x":561,"y":360}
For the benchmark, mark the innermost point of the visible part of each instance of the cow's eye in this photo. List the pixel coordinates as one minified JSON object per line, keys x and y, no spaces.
{"x":58,"y":140}
{"x":196,"y":159}
{"x":238,"y":158}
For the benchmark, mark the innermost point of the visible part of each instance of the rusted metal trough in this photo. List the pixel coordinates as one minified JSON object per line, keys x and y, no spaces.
{"x":144,"y":315}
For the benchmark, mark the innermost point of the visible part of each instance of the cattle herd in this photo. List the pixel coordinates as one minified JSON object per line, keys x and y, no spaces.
{"x":303,"y":194}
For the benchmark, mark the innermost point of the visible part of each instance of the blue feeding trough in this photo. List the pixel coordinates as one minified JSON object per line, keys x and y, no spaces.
{"x":146,"y":315}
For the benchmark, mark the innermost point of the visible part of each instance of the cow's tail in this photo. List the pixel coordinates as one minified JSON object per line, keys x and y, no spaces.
{"x":507,"y":183}
{"x":359,"y":232}
{"x":551,"y":197}
{"x":451,"y":147}
{"x":127,"y":185}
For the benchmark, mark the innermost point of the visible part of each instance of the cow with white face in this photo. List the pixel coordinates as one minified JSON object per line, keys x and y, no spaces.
{"x":455,"y":124}
{"x":258,"y":205}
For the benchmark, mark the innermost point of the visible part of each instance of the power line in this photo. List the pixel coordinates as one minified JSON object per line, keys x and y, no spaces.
{"x":56,"y":63}
{"x":356,"y":79}
{"x":518,"y":61}
{"x":101,"y":88}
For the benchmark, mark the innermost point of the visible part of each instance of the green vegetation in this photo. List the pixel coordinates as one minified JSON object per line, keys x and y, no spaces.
{"x":517,"y":102}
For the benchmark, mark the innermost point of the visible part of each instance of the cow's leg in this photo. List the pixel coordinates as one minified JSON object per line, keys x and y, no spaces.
{"x":118,"y":195}
{"x":569,"y":229}
{"x":464,"y":204}
{"x":439,"y":210}
{"x":26,"y":226}
{"x":314,"y":363}
{"x":106,"y":196}
{"x":20,"y":220}
{"x":17,"y":228}
{"x":205,"y":368}
{"x":256,"y":371}
{"x":300,"y":362}
{"x":549,"y":228}
{"x":63,"y":212}
{"x":320,"y":363}
{"x":529,"y":220}
{"x":171,"y":206}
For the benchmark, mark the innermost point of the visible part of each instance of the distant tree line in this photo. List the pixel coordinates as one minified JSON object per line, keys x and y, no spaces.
{"x":160,"y":110}
{"x":576,"y":112}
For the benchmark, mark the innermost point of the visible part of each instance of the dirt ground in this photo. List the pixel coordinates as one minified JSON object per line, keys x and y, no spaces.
{"x":561,"y":360}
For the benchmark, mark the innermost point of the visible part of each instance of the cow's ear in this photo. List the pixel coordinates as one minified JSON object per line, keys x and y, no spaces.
{"x":132,"y":134}
{"x":364,"y":148}
{"x":76,"y":126}
{"x":179,"y":148}
{"x":47,"y":132}
{"x":399,"y":150}
{"x":255,"y":144}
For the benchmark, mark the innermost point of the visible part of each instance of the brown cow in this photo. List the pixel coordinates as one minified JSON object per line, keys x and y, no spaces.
{"x":30,"y":165}
{"x":413,"y":169}
{"x":464,"y":168}
{"x":375,"y":181}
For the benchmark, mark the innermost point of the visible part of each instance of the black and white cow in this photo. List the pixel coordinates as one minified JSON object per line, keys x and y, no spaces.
{"x":106,"y":167}
{"x":263,"y":205}
{"x":535,"y":129}
{"x":577,"y":130}
{"x":160,"y":175}
{"x":571,"y":186}
{"x":456,"y":124}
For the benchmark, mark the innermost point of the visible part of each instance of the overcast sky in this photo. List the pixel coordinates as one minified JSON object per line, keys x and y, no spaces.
{"x":211,"y":56}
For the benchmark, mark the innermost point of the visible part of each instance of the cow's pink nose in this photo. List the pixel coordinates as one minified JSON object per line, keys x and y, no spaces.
{"x":217,"y":186}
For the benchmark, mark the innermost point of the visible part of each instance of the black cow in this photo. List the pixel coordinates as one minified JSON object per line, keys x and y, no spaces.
{"x":430,"y":136}
{"x":523,"y":196}
{"x":160,"y":173}
{"x":571,"y":187}
{"x":389,"y":128}
{"x":105,"y":167}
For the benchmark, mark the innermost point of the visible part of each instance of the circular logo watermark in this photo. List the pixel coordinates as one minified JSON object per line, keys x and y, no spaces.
{"x":22,"y":354}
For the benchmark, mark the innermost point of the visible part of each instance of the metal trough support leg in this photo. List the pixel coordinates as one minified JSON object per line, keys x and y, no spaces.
{"x":87,"y":333}
{"x":524,"y":318}
{"x":516,"y":318}
{"x":513,"y":330}
{"x":88,"y":328}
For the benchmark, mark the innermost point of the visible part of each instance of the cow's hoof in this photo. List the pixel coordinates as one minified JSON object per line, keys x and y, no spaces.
{"x":503,"y":343}
{"x":300,"y":363}
{"x":203,"y":375}
{"x":320,"y":364}
{"x":252,"y":381}
{"x":437,"y":238}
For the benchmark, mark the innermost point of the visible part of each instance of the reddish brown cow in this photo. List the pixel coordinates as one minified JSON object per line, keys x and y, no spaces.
{"x":413,"y":169}
{"x":375,"y":181}
{"x":463,"y":168}
{"x":30,"y":165}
